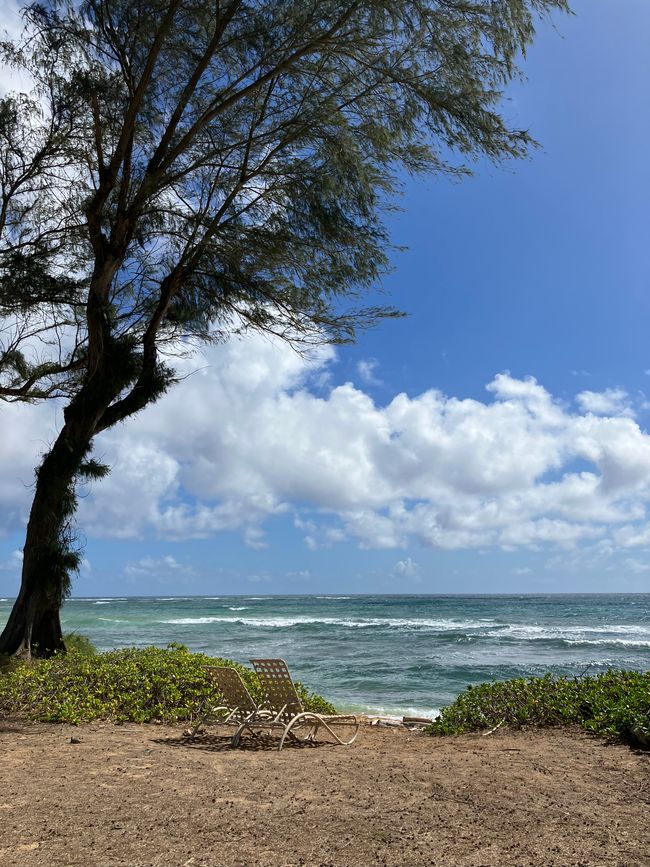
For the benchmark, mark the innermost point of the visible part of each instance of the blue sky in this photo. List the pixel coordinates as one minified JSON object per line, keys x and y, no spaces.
{"x":265,"y":474}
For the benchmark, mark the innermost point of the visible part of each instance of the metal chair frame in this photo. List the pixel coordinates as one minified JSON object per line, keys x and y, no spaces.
{"x":240,"y":707}
{"x":283,"y":710}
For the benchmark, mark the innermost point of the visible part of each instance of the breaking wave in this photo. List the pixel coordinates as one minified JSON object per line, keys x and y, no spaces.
{"x":365,"y":623}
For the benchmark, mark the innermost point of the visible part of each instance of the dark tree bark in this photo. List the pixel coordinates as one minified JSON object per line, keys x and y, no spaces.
{"x":34,"y":627}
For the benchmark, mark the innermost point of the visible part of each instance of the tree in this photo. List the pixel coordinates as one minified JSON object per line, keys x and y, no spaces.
{"x":181,"y":170}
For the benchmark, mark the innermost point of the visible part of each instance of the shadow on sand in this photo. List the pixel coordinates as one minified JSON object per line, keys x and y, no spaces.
{"x":221,"y":743}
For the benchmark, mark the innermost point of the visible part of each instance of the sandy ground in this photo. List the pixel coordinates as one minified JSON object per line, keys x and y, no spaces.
{"x":142,"y":795}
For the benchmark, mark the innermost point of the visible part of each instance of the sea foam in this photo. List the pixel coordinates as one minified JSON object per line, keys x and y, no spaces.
{"x":347,"y":623}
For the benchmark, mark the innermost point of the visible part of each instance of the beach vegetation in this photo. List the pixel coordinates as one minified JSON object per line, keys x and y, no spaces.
{"x":81,"y":644}
{"x":182,"y":172}
{"x":613,"y":704}
{"x":139,"y":685}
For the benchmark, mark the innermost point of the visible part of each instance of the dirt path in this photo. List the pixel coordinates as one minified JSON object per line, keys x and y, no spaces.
{"x":140,"y":795}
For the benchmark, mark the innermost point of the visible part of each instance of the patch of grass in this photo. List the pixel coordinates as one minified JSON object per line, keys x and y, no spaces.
{"x":615,"y":704}
{"x":133,"y":684}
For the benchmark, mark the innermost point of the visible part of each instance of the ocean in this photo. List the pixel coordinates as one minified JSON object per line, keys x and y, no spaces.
{"x":389,"y":655}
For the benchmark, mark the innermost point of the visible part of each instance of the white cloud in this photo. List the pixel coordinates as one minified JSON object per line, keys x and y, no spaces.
{"x":26,"y":433}
{"x":259,"y":579}
{"x":366,"y":370}
{"x":245,"y":438}
{"x":632,"y":536}
{"x":612,"y":401}
{"x":407,"y":568}
{"x":162,"y":568}
{"x":638,"y":567}
{"x":318,"y":536}
{"x":300,"y":577}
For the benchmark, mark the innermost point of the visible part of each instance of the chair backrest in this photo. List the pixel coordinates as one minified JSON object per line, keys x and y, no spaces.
{"x":279,"y":689}
{"x":232,"y":688}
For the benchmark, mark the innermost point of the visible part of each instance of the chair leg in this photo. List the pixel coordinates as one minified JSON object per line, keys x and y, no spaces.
{"x":211,"y":714}
{"x":234,"y":740}
{"x":316,"y":723}
{"x":288,"y":730}
{"x":354,"y":722}
{"x":195,"y":728}
{"x":284,"y":735}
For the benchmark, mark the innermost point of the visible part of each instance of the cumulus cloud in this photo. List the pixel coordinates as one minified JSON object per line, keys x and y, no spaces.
{"x":366,"y":370}
{"x":638,"y":567}
{"x":151,"y":565}
{"x":407,"y":568}
{"x":26,"y":433}
{"x":248,"y":436}
{"x":612,"y":401}
{"x":317,"y":535}
{"x":302,"y":576}
{"x":162,"y":568}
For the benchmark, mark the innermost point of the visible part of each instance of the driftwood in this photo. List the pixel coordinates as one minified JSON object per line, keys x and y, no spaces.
{"x":407,"y":721}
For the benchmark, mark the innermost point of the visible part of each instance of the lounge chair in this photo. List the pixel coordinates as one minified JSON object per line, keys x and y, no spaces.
{"x":288,"y":714}
{"x":239,"y":704}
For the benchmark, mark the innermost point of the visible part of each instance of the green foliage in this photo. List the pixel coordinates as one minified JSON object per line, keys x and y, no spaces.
{"x":247,"y":174}
{"x":616,"y":703}
{"x":311,"y":701}
{"x":80,"y":644}
{"x":134,"y":685}
{"x":93,"y":469}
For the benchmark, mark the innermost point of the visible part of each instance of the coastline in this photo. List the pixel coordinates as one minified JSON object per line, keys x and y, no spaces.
{"x":384,"y":654}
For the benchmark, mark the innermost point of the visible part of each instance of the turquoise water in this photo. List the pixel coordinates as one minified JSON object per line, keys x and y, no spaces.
{"x":385,"y":654}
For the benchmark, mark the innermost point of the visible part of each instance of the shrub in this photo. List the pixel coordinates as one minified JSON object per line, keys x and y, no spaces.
{"x":132,"y":684}
{"x":79,"y":643}
{"x":616,"y":703}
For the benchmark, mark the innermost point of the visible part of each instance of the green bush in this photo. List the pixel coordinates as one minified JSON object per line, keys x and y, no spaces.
{"x":134,"y":685}
{"x":80,"y":643}
{"x":616,"y":703}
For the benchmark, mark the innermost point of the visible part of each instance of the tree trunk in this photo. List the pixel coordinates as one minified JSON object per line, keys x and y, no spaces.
{"x":34,"y":626}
